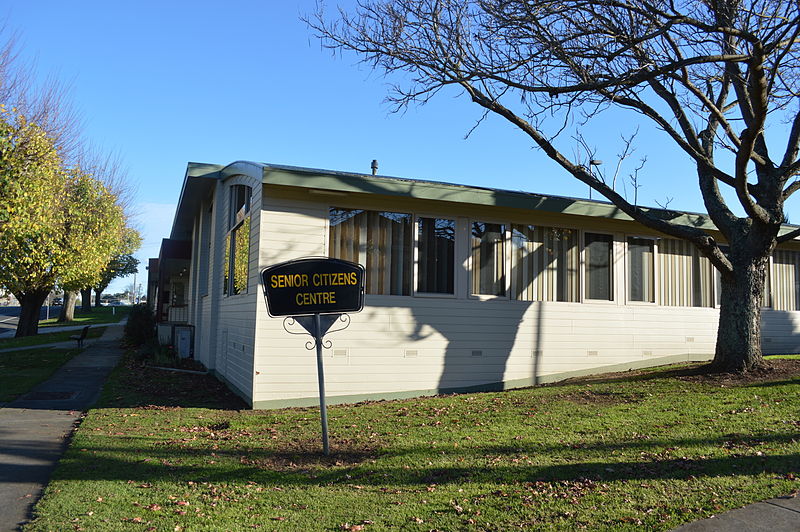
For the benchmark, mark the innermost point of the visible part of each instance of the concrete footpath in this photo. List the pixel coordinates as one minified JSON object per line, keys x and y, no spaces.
{"x":34,"y":428}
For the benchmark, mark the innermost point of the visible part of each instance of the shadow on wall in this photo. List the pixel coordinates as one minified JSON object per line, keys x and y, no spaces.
{"x":479,"y":334}
{"x":780,"y":332}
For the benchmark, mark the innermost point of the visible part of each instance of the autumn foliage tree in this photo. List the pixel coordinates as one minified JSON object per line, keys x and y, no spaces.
{"x":122,"y":264}
{"x":719,"y":81}
{"x":59,"y":224}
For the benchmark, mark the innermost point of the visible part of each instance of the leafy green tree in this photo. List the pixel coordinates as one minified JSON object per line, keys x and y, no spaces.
{"x":33,"y":189}
{"x":59,"y":225}
{"x":92,"y":234}
{"x":121,"y":265}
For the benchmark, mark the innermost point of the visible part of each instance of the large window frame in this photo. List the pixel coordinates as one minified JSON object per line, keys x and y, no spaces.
{"x":367,"y":240}
{"x":648,"y":274}
{"x":544,"y":263}
{"x":437,"y":263}
{"x":481,"y":250}
{"x":612,"y":268}
{"x":236,"y":265}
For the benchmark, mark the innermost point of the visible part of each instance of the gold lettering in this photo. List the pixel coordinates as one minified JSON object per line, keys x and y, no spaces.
{"x":315,"y":298}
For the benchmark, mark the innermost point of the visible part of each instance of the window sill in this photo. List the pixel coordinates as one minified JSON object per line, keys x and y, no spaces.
{"x":487,"y":297}
{"x":434,"y":295}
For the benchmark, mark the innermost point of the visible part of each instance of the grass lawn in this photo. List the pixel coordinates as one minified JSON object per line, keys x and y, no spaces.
{"x":47,"y":338}
{"x":650,"y":449}
{"x":95,"y":317}
{"x":22,"y":370}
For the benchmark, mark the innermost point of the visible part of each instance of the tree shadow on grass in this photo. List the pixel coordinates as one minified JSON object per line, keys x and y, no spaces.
{"x":302,"y":463}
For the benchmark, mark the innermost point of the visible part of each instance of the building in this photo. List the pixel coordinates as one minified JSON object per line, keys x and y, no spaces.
{"x":467,"y":288}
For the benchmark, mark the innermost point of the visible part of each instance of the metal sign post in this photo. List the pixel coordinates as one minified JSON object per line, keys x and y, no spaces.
{"x":315,"y":293}
{"x":318,"y":326}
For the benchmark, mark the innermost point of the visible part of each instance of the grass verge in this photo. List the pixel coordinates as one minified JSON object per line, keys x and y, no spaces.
{"x":22,"y":370}
{"x":653,"y":449}
{"x":97,"y":316}
{"x":46,"y":338}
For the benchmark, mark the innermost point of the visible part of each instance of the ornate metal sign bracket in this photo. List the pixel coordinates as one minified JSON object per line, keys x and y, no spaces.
{"x":329,"y":323}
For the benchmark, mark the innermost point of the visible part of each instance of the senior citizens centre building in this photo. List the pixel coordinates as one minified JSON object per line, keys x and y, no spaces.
{"x":467,"y":288}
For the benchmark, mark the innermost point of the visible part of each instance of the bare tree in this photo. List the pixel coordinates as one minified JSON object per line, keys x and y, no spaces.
{"x":711,"y":76}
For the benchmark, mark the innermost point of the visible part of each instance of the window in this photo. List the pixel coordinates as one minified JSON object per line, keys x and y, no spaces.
{"x":488,"y":259}
{"x":598,"y":260}
{"x":237,"y":242}
{"x":686,"y":276}
{"x":641,"y":269}
{"x":380,"y":241}
{"x":785,"y":279}
{"x":436,"y":248}
{"x":240,"y":204}
{"x":544,"y":263}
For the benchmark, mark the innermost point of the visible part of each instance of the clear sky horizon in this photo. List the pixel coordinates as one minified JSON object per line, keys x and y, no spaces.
{"x":161,"y":84}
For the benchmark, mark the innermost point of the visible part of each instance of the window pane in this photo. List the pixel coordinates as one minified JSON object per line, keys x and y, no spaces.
{"x":544,"y":263}
{"x":785,"y":279}
{"x":226,"y":265}
{"x":640,"y":269}
{"x":686,"y":276}
{"x":241,"y":257}
{"x":598,"y":266}
{"x":437,"y":239}
{"x":702,"y":280}
{"x":240,"y":203}
{"x":380,"y":241}
{"x":488,"y":259}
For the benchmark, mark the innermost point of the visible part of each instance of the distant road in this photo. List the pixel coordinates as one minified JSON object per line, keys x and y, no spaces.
{"x":9,"y":316}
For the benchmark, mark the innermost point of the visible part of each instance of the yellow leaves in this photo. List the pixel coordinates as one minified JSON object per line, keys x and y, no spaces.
{"x":59,"y":223}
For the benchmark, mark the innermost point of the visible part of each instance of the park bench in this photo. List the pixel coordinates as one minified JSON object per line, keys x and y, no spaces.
{"x":80,"y":337}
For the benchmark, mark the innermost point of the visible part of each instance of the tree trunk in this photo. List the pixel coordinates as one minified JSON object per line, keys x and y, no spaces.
{"x":86,"y":300}
{"x":68,"y":308}
{"x":97,"y":294}
{"x":30,"y":309}
{"x":741,"y":298}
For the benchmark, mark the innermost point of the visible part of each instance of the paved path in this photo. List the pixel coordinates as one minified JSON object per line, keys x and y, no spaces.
{"x":34,"y":428}
{"x":775,"y":515}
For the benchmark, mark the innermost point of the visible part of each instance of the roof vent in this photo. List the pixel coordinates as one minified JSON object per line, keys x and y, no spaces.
{"x":374,"y":166}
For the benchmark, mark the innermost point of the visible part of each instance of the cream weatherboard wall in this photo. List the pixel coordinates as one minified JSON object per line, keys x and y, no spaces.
{"x":225,"y":324}
{"x":409,"y":345}
{"x":406,"y":345}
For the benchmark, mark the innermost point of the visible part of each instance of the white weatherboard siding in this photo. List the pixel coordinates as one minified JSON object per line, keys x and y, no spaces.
{"x":424,"y":344}
{"x":290,"y":229}
{"x":428,"y":344}
{"x":438,"y":344}
{"x":780,"y":332}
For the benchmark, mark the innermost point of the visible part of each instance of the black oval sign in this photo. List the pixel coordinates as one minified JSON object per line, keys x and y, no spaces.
{"x":313,"y":286}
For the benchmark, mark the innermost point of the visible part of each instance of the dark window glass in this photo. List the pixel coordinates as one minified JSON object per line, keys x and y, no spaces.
{"x":599,"y":283}
{"x":437,"y":238}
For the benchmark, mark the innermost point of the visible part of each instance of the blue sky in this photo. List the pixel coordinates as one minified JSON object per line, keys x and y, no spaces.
{"x":164,"y":83}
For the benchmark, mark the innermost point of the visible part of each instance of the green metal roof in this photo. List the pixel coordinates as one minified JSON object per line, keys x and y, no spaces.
{"x":347,"y":182}
{"x":437,"y":191}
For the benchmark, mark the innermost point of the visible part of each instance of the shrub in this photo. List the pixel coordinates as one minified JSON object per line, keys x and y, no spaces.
{"x":141,"y":327}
